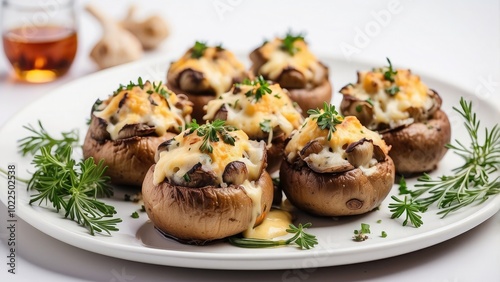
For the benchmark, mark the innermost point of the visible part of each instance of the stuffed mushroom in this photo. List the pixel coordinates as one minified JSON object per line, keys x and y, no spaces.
{"x":289,"y":62}
{"x":263,"y":111}
{"x":405,"y":111}
{"x":334,"y":166}
{"x":126,"y":128}
{"x":203,"y":73}
{"x":208,"y":183}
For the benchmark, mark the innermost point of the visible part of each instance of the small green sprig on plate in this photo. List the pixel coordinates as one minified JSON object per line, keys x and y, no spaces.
{"x":361,"y":234}
{"x":40,"y":138}
{"x":300,"y":238}
{"x":326,"y":119}
{"x":74,"y":188}
{"x":473,"y":182}
{"x":211,"y":132}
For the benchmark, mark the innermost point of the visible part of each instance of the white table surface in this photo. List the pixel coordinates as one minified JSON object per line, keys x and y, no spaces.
{"x":455,"y":41}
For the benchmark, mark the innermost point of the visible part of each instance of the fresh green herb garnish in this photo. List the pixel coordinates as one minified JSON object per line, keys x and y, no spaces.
{"x":392,"y":90}
{"x":260,"y":87}
{"x":473,"y":182}
{"x":359,"y":108}
{"x":389,"y":73}
{"x":134,"y":215}
{"x":41,"y":138}
{"x":198,"y":49}
{"x":211,"y":132}
{"x":288,"y":43}
{"x":403,"y":188}
{"x":360,"y":235}
{"x":157,"y":88}
{"x":383,"y":234}
{"x":300,"y":238}
{"x":408,"y":207}
{"x":74,"y":188}
{"x":326,"y":119}
{"x":369,"y":101}
{"x":265,"y":125}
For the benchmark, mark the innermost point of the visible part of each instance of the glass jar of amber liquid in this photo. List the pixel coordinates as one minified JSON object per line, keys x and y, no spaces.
{"x":39,"y":37}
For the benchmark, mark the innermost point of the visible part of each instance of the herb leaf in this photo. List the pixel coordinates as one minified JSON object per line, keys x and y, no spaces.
{"x":74,"y":188}
{"x":390,"y":73}
{"x":41,"y":138}
{"x":260,"y":88}
{"x":300,"y":238}
{"x":408,"y":207}
{"x":288,"y":43}
{"x":326,"y":119}
{"x":211,"y":132}
{"x":198,"y":49}
{"x":265,"y":125}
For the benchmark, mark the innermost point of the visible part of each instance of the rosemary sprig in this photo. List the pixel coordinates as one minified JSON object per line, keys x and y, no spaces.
{"x":74,"y":188}
{"x":288,"y":43}
{"x":211,"y":132}
{"x":41,"y":138}
{"x":408,"y":207}
{"x":327,"y":118}
{"x":473,"y":182}
{"x":300,"y":238}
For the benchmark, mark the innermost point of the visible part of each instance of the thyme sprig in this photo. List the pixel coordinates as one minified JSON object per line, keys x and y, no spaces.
{"x":300,"y":238}
{"x":473,"y":182}
{"x":211,"y":132}
{"x":327,"y":118}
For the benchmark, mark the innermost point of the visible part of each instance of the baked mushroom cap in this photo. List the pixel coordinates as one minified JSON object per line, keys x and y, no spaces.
{"x":263,"y":111}
{"x":203,"y":73}
{"x":126,"y":129}
{"x":336,"y":172}
{"x":405,"y":111}
{"x":418,"y":147}
{"x":289,"y":62}
{"x":202,"y":191}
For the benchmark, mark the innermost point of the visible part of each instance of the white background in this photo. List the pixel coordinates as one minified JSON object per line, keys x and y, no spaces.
{"x":455,"y":41}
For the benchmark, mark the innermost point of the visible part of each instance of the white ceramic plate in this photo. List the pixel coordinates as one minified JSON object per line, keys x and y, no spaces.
{"x":69,"y":107}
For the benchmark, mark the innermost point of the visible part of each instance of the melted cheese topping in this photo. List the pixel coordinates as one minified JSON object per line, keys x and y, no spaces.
{"x":244,"y":112}
{"x":274,"y":225}
{"x":389,"y":108}
{"x":277,"y":60}
{"x":218,"y":66}
{"x":333,"y":152}
{"x":137,"y":106}
{"x":184,"y":152}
